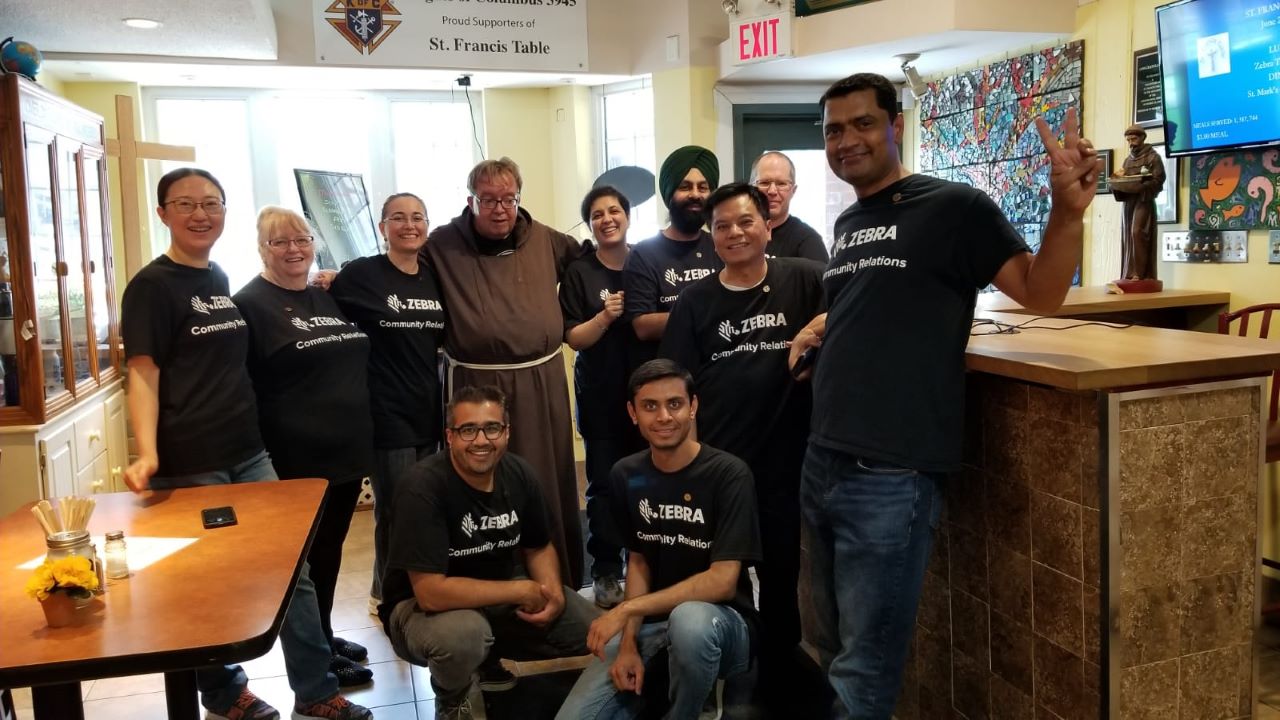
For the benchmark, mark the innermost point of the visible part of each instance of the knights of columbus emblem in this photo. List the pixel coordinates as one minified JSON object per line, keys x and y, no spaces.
{"x":364,"y":23}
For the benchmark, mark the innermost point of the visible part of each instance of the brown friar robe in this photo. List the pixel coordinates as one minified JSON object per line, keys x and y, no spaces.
{"x":1138,"y":248}
{"x":503,"y":310}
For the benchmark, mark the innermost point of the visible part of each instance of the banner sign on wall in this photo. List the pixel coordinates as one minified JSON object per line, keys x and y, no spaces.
{"x":758,"y":39}
{"x":532,"y":35}
{"x":813,"y":7}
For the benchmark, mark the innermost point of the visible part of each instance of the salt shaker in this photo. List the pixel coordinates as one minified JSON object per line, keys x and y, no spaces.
{"x":117,"y":558}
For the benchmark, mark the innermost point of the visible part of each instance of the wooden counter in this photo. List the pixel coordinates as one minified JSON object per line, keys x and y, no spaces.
{"x":1095,"y":357}
{"x":1180,"y":309}
{"x":1099,"y":553}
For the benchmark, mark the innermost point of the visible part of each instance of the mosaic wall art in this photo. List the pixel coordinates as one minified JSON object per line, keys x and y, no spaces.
{"x":978,"y":128}
{"x":1236,"y":190}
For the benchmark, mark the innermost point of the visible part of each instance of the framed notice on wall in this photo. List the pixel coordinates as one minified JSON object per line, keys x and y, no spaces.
{"x":337,"y":207}
{"x":1104,"y":171}
{"x":1148,"y":103}
{"x":813,"y":7}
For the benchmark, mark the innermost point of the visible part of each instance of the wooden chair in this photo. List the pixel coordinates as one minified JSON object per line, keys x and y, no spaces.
{"x":1224,"y":327}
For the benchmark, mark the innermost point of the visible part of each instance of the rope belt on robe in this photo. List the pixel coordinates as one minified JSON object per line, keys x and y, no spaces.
{"x":450,"y":363}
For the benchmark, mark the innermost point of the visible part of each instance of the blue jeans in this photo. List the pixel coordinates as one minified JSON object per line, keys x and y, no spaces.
{"x":871,"y":527}
{"x":306,"y":652}
{"x":389,"y":466}
{"x":704,"y":641}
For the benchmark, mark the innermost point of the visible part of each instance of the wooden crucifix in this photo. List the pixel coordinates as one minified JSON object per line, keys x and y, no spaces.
{"x":129,"y":150}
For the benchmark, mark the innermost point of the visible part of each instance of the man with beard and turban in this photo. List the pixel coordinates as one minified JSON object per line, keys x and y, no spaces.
{"x":658,"y":268}
{"x":498,"y":269}
{"x":1137,"y":251}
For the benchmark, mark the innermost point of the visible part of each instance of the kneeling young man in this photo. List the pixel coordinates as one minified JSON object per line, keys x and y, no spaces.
{"x":452,"y":597}
{"x":688,"y":515}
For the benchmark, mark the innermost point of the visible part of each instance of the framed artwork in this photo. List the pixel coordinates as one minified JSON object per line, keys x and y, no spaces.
{"x":1104,"y":172}
{"x":1148,"y":98}
{"x":1167,"y":205}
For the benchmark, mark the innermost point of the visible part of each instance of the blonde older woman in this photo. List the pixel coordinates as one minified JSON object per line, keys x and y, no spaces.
{"x":308,"y":366}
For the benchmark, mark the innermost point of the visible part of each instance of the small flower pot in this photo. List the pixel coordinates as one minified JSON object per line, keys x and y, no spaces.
{"x":59,"y":609}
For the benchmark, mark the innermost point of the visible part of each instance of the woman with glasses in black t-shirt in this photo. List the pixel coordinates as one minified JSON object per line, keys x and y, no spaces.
{"x":307,"y":363}
{"x":193,"y":415}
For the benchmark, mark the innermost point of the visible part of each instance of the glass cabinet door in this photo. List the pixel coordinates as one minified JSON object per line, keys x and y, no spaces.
{"x":44,"y":259}
{"x":99,"y":298}
{"x":9,"y":390}
{"x":78,"y":365}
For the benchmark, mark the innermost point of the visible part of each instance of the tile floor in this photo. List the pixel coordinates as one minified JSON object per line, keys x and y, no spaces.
{"x":401,"y":691}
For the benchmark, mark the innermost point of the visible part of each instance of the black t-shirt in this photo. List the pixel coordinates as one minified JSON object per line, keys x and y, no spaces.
{"x":182,"y":318}
{"x":443,"y":525}
{"x":655,"y":273}
{"x":403,"y":316}
{"x":684,"y":521}
{"x":735,"y":343}
{"x":600,"y":371}
{"x":794,"y":238}
{"x":309,"y":368}
{"x":901,"y":287}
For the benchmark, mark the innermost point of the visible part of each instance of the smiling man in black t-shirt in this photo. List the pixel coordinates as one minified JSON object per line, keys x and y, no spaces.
{"x":888,"y":387}
{"x":732,"y":331}
{"x":688,"y":515}
{"x":463,"y":523}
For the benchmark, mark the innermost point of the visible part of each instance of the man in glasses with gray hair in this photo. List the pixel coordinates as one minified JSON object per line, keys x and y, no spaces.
{"x":472,"y":574}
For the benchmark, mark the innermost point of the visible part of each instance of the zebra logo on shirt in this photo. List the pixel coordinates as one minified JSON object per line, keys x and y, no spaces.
{"x":727,"y":330}
{"x":394,"y":302}
{"x":646,"y":511}
{"x":469,"y":525}
{"x":215,"y":302}
{"x":604,"y":295}
{"x":300,"y":324}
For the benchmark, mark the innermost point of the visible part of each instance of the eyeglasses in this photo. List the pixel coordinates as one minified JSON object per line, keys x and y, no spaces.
{"x":782,"y":185}
{"x":186,"y":206}
{"x":401,"y":218}
{"x":491,"y":203}
{"x":491,"y":430}
{"x":303,"y":242}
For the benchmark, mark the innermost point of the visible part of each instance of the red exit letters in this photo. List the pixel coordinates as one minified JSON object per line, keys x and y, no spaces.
{"x":758,"y":39}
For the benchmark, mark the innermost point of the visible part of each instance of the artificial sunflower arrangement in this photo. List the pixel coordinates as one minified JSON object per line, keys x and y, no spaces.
{"x":73,"y":575}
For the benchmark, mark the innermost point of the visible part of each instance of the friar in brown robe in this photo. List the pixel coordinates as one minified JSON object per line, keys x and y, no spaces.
{"x":499,"y":270}
{"x":1137,"y":250}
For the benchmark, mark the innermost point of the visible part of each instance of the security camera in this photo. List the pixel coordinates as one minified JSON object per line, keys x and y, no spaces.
{"x":730,"y":7}
{"x":915,"y":83}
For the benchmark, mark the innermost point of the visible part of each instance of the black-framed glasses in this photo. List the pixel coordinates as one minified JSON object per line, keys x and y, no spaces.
{"x":490,"y":203}
{"x":187,"y":206}
{"x":303,"y":242}
{"x":491,"y":430}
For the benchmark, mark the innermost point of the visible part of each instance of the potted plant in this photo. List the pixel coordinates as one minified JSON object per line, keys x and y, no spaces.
{"x":57,"y":584}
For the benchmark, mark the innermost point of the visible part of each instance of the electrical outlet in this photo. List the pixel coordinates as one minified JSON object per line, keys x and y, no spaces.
{"x":1173,"y":244}
{"x":1273,"y":245}
{"x":1235,"y":246}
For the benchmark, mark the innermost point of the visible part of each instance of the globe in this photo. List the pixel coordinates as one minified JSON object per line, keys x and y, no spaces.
{"x":20,"y":57}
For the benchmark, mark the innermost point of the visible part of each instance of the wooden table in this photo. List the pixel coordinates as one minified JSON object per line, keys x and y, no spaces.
{"x":218,"y":600}
{"x":1176,"y":309}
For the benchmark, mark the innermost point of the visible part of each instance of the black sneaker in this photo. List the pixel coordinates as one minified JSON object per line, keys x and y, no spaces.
{"x":494,"y":677}
{"x":355,"y":652}
{"x":246,"y":707}
{"x":349,"y":673}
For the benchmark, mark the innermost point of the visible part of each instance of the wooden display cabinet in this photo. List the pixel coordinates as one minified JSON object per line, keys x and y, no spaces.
{"x":59,"y":332}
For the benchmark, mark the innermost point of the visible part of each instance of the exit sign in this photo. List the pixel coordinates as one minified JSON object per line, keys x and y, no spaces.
{"x":760,"y":38}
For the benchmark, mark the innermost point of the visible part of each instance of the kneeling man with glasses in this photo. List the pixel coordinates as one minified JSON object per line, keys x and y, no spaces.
{"x":471,"y":572}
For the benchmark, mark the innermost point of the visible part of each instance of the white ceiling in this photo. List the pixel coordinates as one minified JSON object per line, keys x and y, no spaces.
{"x":236,"y":43}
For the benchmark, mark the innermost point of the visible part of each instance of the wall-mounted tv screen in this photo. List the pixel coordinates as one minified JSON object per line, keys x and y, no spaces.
{"x":1220,"y":73}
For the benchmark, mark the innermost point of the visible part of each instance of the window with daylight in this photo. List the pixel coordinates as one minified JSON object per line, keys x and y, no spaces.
{"x":627,"y":111}
{"x":252,"y":140}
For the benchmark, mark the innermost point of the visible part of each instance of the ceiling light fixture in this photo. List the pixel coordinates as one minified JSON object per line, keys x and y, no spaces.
{"x":142,"y":23}
{"x":917,"y":85}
